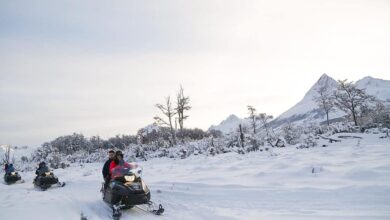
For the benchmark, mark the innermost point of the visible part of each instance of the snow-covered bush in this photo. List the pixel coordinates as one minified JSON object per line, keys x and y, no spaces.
{"x":291,"y":134}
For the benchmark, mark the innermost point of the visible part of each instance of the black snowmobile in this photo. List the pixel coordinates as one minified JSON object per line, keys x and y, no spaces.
{"x":127,"y":189}
{"x":46,"y":178}
{"x":12,"y":177}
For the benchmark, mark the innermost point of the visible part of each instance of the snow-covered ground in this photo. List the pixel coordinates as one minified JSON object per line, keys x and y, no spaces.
{"x":347,"y":180}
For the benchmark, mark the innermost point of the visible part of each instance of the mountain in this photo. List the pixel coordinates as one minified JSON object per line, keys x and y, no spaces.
{"x":228,"y":125}
{"x":378,"y":88}
{"x":307,"y":111}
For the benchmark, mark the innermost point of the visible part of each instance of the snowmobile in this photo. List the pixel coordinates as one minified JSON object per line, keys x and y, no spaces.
{"x":46,"y":178}
{"x":127,"y":189}
{"x":12,"y":177}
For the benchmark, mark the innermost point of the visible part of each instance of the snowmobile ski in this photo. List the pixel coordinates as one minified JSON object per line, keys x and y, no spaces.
{"x":152,"y":207}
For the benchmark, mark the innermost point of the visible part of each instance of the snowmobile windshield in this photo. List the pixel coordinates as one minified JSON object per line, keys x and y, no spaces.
{"x":125,"y":169}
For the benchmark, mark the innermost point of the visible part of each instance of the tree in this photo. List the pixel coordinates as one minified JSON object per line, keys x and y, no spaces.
{"x":182,"y":105}
{"x":96,"y":142}
{"x":253,"y":117}
{"x":350,"y":99}
{"x":264,"y":120}
{"x":377,"y":112}
{"x":168,"y":111}
{"x":325,"y":101}
{"x":7,"y":154}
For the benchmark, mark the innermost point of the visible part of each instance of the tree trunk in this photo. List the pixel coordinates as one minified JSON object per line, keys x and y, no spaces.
{"x":172,"y":131}
{"x":254,"y":126}
{"x":241,"y":136}
{"x":327,"y":117}
{"x":354,"y":115}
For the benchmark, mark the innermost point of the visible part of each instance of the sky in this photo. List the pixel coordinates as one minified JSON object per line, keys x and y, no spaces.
{"x":99,"y":67}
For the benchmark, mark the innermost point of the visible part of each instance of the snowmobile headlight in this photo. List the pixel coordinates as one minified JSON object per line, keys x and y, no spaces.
{"x":13,"y":173}
{"x":47,"y":173}
{"x":130,"y":178}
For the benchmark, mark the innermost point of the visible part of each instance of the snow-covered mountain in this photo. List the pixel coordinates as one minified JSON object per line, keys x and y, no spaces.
{"x":228,"y":125}
{"x":376,"y":87}
{"x":307,"y":111}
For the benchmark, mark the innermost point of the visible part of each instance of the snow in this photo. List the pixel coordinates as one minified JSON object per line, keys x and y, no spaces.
{"x":345,"y":180}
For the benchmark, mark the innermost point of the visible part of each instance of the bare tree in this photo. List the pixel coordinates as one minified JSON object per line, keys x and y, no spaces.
{"x":168,"y":111}
{"x":265,"y":119}
{"x":182,"y":105}
{"x":7,"y":154}
{"x":253,"y":117}
{"x":350,"y":99}
{"x":325,"y":101}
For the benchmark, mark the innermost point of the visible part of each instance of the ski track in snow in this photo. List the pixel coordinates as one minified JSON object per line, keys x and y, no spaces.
{"x":351,"y":181}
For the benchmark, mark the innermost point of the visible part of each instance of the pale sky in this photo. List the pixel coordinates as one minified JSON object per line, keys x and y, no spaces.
{"x":99,"y":67}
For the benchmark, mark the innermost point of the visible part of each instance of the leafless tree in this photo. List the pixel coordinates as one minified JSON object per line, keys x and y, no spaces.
{"x":7,"y":154}
{"x":350,"y":99}
{"x":265,"y":119}
{"x":325,"y":101}
{"x":182,"y":105}
{"x":168,"y":111}
{"x":253,"y":117}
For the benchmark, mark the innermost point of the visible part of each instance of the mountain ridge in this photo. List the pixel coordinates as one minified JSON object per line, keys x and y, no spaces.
{"x":307,"y":111}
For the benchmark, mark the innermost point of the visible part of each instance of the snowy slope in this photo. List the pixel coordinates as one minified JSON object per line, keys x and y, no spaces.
{"x":376,"y":87}
{"x":351,"y":180}
{"x":307,"y":104}
{"x":230,"y":124}
{"x":306,"y":111}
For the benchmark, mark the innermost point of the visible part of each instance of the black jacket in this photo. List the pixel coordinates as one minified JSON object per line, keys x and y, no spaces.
{"x":106,"y":169}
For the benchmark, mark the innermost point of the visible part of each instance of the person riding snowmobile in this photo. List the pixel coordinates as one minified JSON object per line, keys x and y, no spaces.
{"x":45,"y":177}
{"x":11,"y":176}
{"x":106,"y":168}
{"x":127,"y":189}
{"x":117,"y":160}
{"x":42,"y":168}
{"x":9,"y":168}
